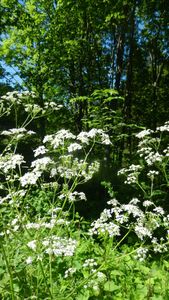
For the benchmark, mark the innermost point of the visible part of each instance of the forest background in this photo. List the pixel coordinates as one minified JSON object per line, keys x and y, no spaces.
{"x":106,"y":62}
{"x":84,"y":106}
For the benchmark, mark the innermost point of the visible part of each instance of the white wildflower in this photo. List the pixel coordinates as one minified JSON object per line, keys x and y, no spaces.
{"x":131,"y":178}
{"x":159,"y":210}
{"x":144,"y":133}
{"x":69,"y":272}
{"x":10,"y":162}
{"x":152,"y":173}
{"x":132,"y":209}
{"x":59,"y":246}
{"x":142,"y":231}
{"x":147,"y":203}
{"x":73,"y":147}
{"x":48,"y":138}
{"x":59,"y":138}
{"x":122,"y":171}
{"x":99,"y":226}
{"x":52,"y":105}
{"x":92,"y":133}
{"x":121,"y":218}
{"x":30,"y":178}
{"x":144,"y":151}
{"x":32,"y":225}
{"x":29,"y":260}
{"x":40,"y":164}
{"x":90,"y":262}
{"x":76,"y":196}
{"x":105,"y":140}
{"x":14,"y":221}
{"x":134,"y":201}
{"x":166,"y":151}
{"x":14,"y":131}
{"x":106,"y":214}
{"x":141,"y":254}
{"x":134,"y":168}
{"x":83,"y":137}
{"x":159,"y":247}
{"x":53,"y":172}
{"x":101,"y":276}
{"x":113,"y":202}
{"x":153,"y":158}
{"x":40,"y":150}
{"x":165,"y":127}
{"x":32,"y":245}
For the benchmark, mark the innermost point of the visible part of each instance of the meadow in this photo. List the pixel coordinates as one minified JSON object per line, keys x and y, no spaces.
{"x":48,"y":250}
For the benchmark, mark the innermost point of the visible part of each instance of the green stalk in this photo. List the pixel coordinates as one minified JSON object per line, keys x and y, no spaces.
{"x":98,"y":269}
{"x":152,"y":186}
{"x":50,"y":270}
{"x":9,"y":271}
{"x":41,"y":267}
{"x":123,"y":238}
{"x":165,"y":175}
{"x":140,"y":186}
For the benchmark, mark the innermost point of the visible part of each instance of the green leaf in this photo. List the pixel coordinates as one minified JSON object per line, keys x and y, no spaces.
{"x":83,"y":296}
{"x":116,"y":273}
{"x":110,"y":286}
{"x":145,"y":270}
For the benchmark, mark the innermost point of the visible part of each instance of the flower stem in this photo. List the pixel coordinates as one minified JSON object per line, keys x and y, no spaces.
{"x":9,"y":271}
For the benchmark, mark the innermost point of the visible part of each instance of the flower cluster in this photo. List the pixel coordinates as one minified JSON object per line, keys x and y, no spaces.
{"x":166,"y":151}
{"x":153,"y":156}
{"x":51,"y":222}
{"x":141,"y":253}
{"x":69,"y":272}
{"x":144,"y":133}
{"x":73,"y":147}
{"x":13,"y":196}
{"x":59,"y":246}
{"x":165,"y":127}
{"x":30,"y":178}
{"x":149,"y":146}
{"x":9,"y":162}
{"x":52,"y":105}
{"x":59,"y":138}
{"x":52,"y":160}
{"x":152,"y":173}
{"x":41,"y":164}
{"x":53,"y":245}
{"x":73,"y":197}
{"x":90,"y":262}
{"x":63,"y":165}
{"x":143,"y":222}
{"x":40,"y":151}
{"x":17,"y":132}
{"x":85,"y":137}
{"x":15,"y":99}
{"x":26,"y":101}
{"x":98,"y":279}
{"x":132,"y":173}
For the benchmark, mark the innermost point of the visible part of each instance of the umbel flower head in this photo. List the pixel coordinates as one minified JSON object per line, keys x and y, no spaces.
{"x":9,"y":162}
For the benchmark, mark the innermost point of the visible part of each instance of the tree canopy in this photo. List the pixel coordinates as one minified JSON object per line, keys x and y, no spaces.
{"x":67,"y":49}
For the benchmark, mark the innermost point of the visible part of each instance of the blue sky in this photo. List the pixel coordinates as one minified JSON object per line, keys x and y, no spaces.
{"x":11,"y":75}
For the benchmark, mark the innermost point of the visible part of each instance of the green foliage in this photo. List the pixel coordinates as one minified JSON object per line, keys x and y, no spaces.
{"x":47,"y":250}
{"x":102,"y":110}
{"x":95,"y":68}
{"x":70,"y":49}
{"x":150,"y":175}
